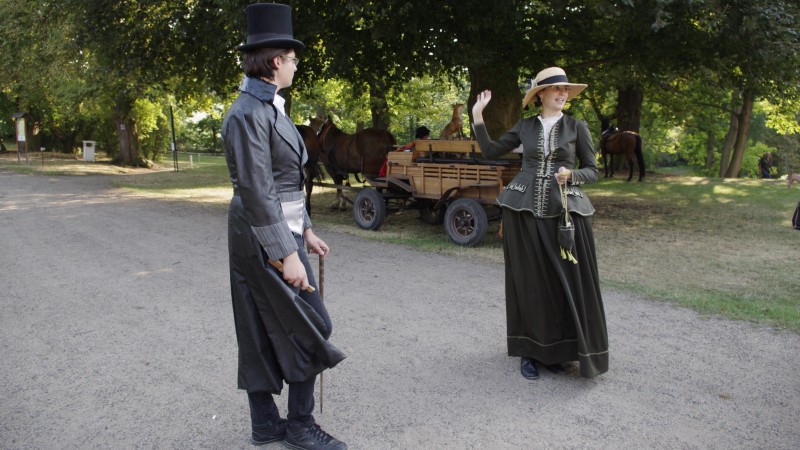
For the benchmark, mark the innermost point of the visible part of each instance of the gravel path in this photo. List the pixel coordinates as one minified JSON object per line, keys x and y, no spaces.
{"x":116,"y":331}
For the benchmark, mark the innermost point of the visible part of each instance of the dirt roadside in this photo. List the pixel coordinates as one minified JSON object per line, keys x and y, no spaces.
{"x":116,"y":332}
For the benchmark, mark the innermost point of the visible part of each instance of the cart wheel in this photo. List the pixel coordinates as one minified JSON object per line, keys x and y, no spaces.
{"x":429,"y":215}
{"x":369,"y":209}
{"x":465,"y":222}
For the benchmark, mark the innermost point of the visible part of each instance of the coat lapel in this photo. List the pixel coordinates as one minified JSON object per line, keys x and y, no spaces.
{"x":288,"y":132}
{"x":283,"y":125}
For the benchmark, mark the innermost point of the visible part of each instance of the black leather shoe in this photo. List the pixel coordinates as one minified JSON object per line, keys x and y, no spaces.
{"x":528,"y":369}
{"x":271,"y":433}
{"x":555,"y":368}
{"x":311,"y":437}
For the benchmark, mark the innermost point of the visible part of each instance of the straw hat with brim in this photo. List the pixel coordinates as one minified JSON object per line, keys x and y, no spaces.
{"x":269,"y":25}
{"x":552,"y":76}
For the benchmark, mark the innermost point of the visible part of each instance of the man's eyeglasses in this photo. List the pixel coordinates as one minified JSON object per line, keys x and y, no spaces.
{"x":296,"y":61}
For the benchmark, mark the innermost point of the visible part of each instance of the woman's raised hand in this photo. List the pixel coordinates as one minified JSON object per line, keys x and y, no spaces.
{"x":481,"y":101}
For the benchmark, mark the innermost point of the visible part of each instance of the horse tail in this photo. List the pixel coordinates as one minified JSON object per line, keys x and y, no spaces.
{"x":313,"y":171}
{"x":602,"y":145}
{"x":335,"y":168}
{"x":639,"y":156}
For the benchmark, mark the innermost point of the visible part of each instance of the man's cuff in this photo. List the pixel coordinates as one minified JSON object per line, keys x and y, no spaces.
{"x":277,"y":240}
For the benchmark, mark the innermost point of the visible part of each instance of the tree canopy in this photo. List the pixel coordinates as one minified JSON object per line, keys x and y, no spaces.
{"x":689,"y":76}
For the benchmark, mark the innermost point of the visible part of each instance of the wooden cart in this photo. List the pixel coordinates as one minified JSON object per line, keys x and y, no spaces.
{"x":448,"y":181}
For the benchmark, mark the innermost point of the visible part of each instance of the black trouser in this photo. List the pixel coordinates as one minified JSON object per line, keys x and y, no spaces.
{"x":263,"y":410}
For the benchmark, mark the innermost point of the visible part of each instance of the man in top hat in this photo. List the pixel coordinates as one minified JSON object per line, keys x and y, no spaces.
{"x":282,"y":327}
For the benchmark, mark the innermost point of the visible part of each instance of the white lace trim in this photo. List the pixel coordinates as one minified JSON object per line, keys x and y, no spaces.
{"x":547,"y":126}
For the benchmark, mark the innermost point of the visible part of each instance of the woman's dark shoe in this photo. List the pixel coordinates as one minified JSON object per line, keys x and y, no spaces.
{"x":311,"y":437}
{"x":555,"y":368}
{"x":528,"y":369}
{"x":271,"y":433}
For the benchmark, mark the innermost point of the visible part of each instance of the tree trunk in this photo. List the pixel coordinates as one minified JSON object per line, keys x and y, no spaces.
{"x":128,"y":142}
{"x":730,"y":137}
{"x":378,"y":105}
{"x":629,"y":108}
{"x":710,"y":145}
{"x":504,"y":111}
{"x":629,"y":116}
{"x":742,"y":134}
{"x":126,"y":132}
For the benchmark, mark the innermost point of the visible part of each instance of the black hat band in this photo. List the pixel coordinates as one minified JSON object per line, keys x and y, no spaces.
{"x":553,"y":79}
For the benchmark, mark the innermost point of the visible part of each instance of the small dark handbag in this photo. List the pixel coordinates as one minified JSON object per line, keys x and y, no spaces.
{"x":566,"y":230}
{"x":796,"y":217}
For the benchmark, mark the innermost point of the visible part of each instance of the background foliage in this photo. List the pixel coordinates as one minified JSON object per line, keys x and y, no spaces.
{"x":711,"y":85}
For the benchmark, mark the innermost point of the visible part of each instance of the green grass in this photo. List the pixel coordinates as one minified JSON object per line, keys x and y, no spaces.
{"x":719,"y":246}
{"x":722,"y":247}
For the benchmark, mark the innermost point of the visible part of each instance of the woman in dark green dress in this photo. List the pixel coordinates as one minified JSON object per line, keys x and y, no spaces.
{"x":554,"y":307}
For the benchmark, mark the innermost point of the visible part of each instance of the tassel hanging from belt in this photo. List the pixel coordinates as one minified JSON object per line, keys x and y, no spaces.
{"x":566,"y":230}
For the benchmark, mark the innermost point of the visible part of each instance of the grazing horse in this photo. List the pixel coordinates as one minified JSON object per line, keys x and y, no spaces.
{"x":361,"y":153}
{"x":312,"y":165}
{"x":615,"y":142}
{"x":454,"y":129}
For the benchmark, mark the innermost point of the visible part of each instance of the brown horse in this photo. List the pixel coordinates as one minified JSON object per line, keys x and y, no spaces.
{"x":312,"y":169}
{"x":615,"y":142}
{"x":344,"y":154}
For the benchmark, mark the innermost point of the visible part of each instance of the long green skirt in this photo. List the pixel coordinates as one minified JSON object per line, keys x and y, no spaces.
{"x":554,"y":308}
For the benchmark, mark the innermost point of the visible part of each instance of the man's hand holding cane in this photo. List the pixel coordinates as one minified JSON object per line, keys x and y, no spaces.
{"x":294,"y":273}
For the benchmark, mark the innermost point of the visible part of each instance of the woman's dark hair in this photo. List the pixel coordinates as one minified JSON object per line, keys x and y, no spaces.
{"x":538,"y":101}
{"x":258,"y":62}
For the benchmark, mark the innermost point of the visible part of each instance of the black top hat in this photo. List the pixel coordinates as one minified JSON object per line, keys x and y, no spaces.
{"x":269,"y":25}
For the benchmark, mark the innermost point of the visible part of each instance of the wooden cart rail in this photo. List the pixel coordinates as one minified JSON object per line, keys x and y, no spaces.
{"x":469,"y":150}
{"x":432,"y":180}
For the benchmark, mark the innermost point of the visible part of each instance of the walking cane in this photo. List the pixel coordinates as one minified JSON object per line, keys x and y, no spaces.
{"x":320,"y":285}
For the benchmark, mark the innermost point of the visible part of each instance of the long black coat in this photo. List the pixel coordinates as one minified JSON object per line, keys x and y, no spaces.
{"x":280,"y":336}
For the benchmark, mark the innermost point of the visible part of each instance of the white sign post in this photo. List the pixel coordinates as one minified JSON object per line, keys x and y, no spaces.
{"x":21,"y":139}
{"x":21,"y":129}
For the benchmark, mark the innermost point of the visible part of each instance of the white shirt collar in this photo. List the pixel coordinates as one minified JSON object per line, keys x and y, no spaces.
{"x":551,"y":120}
{"x":279,"y":101}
